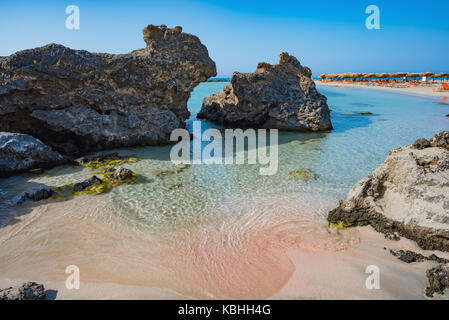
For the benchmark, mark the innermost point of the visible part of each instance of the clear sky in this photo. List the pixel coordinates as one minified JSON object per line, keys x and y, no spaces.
{"x":327,"y":35}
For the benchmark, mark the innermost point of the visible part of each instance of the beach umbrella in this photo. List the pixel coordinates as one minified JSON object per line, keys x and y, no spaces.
{"x":442,"y":75}
{"x":413,"y":75}
{"x":399,"y":75}
{"x":357,"y":75}
{"x":429,"y":74}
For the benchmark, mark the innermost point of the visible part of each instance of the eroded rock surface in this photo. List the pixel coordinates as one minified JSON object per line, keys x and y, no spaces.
{"x":438,"y":279}
{"x":281,"y":96}
{"x":409,"y":257}
{"x":21,"y":152}
{"x":408,"y":194}
{"x":27,"y":291}
{"x":77,"y":101}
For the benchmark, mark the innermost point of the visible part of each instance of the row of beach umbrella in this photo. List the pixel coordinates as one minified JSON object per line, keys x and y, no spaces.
{"x":377,"y":76}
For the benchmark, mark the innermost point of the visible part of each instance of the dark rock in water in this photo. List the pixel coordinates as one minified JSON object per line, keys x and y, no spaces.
{"x":101,"y":158}
{"x":281,"y":96}
{"x":77,"y":101}
{"x":421,"y":144}
{"x":27,"y":291}
{"x":22,"y":152}
{"x":440,"y":140}
{"x":438,"y":278}
{"x":410,"y":256}
{"x":362,"y":113}
{"x":80,"y":186}
{"x":40,"y":194}
{"x":36,"y":171}
{"x":119,"y":173}
{"x":407,"y":195}
{"x":37,"y":192}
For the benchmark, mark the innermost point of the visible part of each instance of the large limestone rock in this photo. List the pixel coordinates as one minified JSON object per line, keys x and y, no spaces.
{"x":77,"y":101}
{"x":21,"y":152}
{"x":408,"y":194}
{"x":281,"y":96}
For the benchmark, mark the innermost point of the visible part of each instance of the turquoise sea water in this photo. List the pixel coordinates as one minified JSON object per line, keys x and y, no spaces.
{"x":132,"y":224}
{"x":357,"y":145}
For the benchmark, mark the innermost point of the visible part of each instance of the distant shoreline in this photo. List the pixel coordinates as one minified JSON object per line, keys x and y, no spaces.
{"x":419,"y":91}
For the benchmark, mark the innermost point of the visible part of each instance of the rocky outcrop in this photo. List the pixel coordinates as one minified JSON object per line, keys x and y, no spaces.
{"x":27,"y":291}
{"x":281,"y":96}
{"x":409,"y":257}
{"x":438,"y":279}
{"x":408,"y":194}
{"x":21,"y":152}
{"x":77,"y":101}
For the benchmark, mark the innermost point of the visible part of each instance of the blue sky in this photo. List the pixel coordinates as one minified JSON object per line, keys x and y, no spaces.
{"x":328,"y":36}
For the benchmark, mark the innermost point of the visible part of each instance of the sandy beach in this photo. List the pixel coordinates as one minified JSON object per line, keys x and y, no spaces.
{"x":290,"y":257}
{"x":414,"y":90}
{"x":316,"y":275}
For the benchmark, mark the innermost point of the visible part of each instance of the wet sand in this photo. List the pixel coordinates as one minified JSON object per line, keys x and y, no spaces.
{"x":270,"y":250}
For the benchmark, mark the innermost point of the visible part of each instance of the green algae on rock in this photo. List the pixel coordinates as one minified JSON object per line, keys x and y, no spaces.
{"x":163,"y":173}
{"x":106,"y":160}
{"x":175,"y":186}
{"x":339,"y":225}
{"x":111,"y":178}
{"x":302,"y":174}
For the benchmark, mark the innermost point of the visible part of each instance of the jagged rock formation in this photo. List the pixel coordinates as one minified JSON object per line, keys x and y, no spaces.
{"x":281,"y":96}
{"x":438,"y":279}
{"x":408,"y":194}
{"x":77,"y":101}
{"x":21,"y":152}
{"x":27,"y":291}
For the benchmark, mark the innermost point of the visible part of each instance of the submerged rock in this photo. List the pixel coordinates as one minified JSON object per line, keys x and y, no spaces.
{"x":22,"y":152}
{"x":407,"y":194}
{"x":81,"y":186}
{"x":36,"y":192}
{"x":27,"y":291}
{"x":106,"y":160}
{"x":163,"y":173}
{"x":438,"y":278}
{"x":302,"y":174}
{"x":119,"y":173}
{"x":77,"y":101}
{"x":281,"y":96}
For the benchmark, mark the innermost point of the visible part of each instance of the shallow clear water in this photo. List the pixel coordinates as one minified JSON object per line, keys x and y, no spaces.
{"x":190,"y":238}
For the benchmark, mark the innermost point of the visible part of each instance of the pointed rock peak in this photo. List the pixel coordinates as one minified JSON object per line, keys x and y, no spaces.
{"x":289,"y":62}
{"x":285,"y":58}
{"x":152,"y":34}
